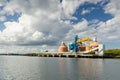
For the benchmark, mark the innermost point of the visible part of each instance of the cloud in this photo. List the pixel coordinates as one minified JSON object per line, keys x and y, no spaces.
{"x":80,"y":29}
{"x":25,"y":49}
{"x":39,"y":23}
{"x":85,"y":12}
{"x":105,"y":31}
{"x":2,"y":18}
{"x":68,"y":7}
{"x":113,"y":7}
{"x":2,"y":3}
{"x":109,"y":30}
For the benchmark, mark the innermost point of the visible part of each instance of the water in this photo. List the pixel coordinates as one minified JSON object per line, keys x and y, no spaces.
{"x":42,"y":68}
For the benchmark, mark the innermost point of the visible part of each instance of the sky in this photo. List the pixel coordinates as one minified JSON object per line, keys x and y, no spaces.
{"x":37,"y":25}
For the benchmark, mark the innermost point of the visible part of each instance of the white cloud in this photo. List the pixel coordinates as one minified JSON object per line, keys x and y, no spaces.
{"x":2,"y":18}
{"x":2,"y":3}
{"x":109,"y":30}
{"x":113,"y":7}
{"x":25,"y":49}
{"x":80,"y":29}
{"x":37,"y":35}
{"x":85,"y":12}
{"x":105,"y":31}
{"x":69,"y":6}
{"x":39,"y":24}
{"x":81,"y":26}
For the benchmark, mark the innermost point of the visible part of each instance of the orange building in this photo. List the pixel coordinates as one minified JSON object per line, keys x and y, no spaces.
{"x":63,"y":48}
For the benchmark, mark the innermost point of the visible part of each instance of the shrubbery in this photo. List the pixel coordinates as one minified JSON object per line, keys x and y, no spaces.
{"x":114,"y":52}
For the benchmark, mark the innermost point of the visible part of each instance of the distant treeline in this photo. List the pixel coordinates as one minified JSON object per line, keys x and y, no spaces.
{"x":113,"y":52}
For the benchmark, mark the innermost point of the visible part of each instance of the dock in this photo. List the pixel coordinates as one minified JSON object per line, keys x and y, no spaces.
{"x":62,"y":55}
{"x":68,"y":55}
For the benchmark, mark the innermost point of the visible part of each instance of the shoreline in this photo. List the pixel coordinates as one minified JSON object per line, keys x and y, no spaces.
{"x":63,"y":55}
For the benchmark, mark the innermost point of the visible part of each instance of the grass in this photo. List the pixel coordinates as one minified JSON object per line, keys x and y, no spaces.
{"x":113,"y":52}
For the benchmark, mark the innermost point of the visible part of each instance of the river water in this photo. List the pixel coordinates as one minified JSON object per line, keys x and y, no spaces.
{"x":43,"y":68}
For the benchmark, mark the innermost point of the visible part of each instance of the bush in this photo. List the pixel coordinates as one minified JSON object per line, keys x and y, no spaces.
{"x":114,"y":52}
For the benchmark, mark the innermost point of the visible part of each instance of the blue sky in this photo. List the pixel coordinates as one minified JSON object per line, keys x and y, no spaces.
{"x":96,"y":12}
{"x":47,"y":23}
{"x":10,"y":18}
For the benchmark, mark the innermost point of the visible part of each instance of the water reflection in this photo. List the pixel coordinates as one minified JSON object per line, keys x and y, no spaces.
{"x":82,"y":69}
{"x":68,"y":69}
{"x":90,"y":69}
{"x":37,"y":68}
